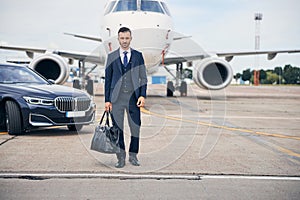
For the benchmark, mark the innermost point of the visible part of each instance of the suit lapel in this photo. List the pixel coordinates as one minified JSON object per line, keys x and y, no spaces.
{"x":117,"y":60}
{"x":132,"y":58}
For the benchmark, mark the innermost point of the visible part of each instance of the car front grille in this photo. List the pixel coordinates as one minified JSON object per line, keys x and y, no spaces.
{"x":65,"y":104}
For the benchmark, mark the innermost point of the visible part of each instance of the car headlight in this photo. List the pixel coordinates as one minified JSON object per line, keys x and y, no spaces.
{"x":39,"y":101}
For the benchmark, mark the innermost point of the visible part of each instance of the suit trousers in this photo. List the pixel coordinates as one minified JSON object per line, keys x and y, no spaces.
{"x":127,"y":102}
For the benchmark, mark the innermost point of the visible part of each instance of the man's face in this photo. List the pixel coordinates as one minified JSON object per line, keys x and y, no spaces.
{"x":124,"y":40}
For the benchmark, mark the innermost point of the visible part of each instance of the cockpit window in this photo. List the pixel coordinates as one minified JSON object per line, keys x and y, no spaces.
{"x":109,"y":7}
{"x":137,"y":5}
{"x":126,"y":5}
{"x":166,"y":8}
{"x":151,"y":6}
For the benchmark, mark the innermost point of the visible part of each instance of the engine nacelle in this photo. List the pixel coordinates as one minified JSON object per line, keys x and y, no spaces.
{"x":212,"y":73}
{"x":51,"y":66}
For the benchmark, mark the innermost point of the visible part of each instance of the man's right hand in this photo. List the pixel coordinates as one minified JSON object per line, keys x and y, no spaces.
{"x":108,"y":106}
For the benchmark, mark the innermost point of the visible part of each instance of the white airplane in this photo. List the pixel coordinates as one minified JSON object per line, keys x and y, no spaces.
{"x":153,"y":32}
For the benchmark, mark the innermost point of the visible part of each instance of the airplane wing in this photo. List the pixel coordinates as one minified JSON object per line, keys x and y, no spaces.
{"x":180,"y":59}
{"x":271,"y":54}
{"x":169,"y":60}
{"x":184,"y":49}
{"x":19,"y":48}
{"x":29,"y":50}
{"x":87,"y":57}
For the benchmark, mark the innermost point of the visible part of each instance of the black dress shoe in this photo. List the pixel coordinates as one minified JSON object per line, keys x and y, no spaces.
{"x":121,"y":159}
{"x":134,"y":161}
{"x":120,"y":163}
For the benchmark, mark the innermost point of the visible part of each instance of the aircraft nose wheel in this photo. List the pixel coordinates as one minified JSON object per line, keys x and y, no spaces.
{"x":76,"y":84}
{"x":183,"y":89}
{"x":170,"y":89}
{"x":90,"y":87}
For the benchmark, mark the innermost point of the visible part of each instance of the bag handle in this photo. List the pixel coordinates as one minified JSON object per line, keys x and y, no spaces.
{"x":107,"y":114}
{"x":102,"y":118}
{"x":107,"y":117}
{"x":112,"y":118}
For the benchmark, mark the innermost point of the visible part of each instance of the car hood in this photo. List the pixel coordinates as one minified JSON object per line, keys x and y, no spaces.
{"x":46,"y":90}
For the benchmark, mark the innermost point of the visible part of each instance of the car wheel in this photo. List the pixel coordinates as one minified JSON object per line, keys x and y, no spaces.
{"x":75,"y":127}
{"x":13,"y":118}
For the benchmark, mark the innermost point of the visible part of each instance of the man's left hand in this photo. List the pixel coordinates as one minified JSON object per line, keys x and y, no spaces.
{"x":141,"y":102}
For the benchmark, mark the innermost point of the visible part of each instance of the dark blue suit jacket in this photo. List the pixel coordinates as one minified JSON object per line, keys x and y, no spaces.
{"x":113,"y":75}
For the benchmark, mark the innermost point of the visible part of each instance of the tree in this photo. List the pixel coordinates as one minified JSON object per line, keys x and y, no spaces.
{"x":279,"y":72}
{"x":271,"y":78}
{"x":246,"y":76}
{"x":237,"y":77}
{"x":286,"y":75}
{"x":287,"y":68}
{"x":291,"y":74}
{"x":262,"y":76}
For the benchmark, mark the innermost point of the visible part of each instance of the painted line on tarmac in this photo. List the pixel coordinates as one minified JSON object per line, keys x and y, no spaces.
{"x":38,"y":176}
{"x":246,"y":117}
{"x":221,"y":127}
{"x":283,"y":150}
{"x":249,"y":177}
{"x":42,"y":176}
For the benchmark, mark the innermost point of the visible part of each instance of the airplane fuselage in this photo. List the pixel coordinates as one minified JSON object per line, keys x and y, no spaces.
{"x":151,"y":30}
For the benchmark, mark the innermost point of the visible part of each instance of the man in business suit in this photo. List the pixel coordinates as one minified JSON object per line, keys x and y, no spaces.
{"x":125,"y":89}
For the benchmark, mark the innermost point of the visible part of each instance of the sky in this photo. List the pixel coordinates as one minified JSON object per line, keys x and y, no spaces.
{"x":216,"y":25}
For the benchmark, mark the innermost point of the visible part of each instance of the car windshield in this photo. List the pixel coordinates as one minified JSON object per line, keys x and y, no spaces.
{"x":19,"y":75}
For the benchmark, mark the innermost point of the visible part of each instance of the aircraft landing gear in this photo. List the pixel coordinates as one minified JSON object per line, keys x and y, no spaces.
{"x":183,"y":89}
{"x":170,"y":89}
{"x":76,"y":84}
{"x":89,"y":86}
{"x":180,"y":84}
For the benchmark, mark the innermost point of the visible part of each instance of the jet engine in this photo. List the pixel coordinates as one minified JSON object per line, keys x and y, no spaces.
{"x":51,"y":66}
{"x":212,"y":73}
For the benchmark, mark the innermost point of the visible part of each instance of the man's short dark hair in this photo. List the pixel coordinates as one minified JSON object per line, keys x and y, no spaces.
{"x":124,"y":29}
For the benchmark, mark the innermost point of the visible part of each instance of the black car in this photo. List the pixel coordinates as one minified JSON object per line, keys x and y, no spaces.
{"x":27,"y":100}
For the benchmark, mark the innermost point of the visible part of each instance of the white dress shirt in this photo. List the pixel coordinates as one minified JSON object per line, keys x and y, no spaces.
{"x":122,"y":55}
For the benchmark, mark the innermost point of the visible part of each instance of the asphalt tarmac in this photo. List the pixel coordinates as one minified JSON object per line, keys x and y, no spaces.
{"x":212,"y":144}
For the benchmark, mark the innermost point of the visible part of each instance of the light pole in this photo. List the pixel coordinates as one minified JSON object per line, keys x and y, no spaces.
{"x":257,"y":18}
